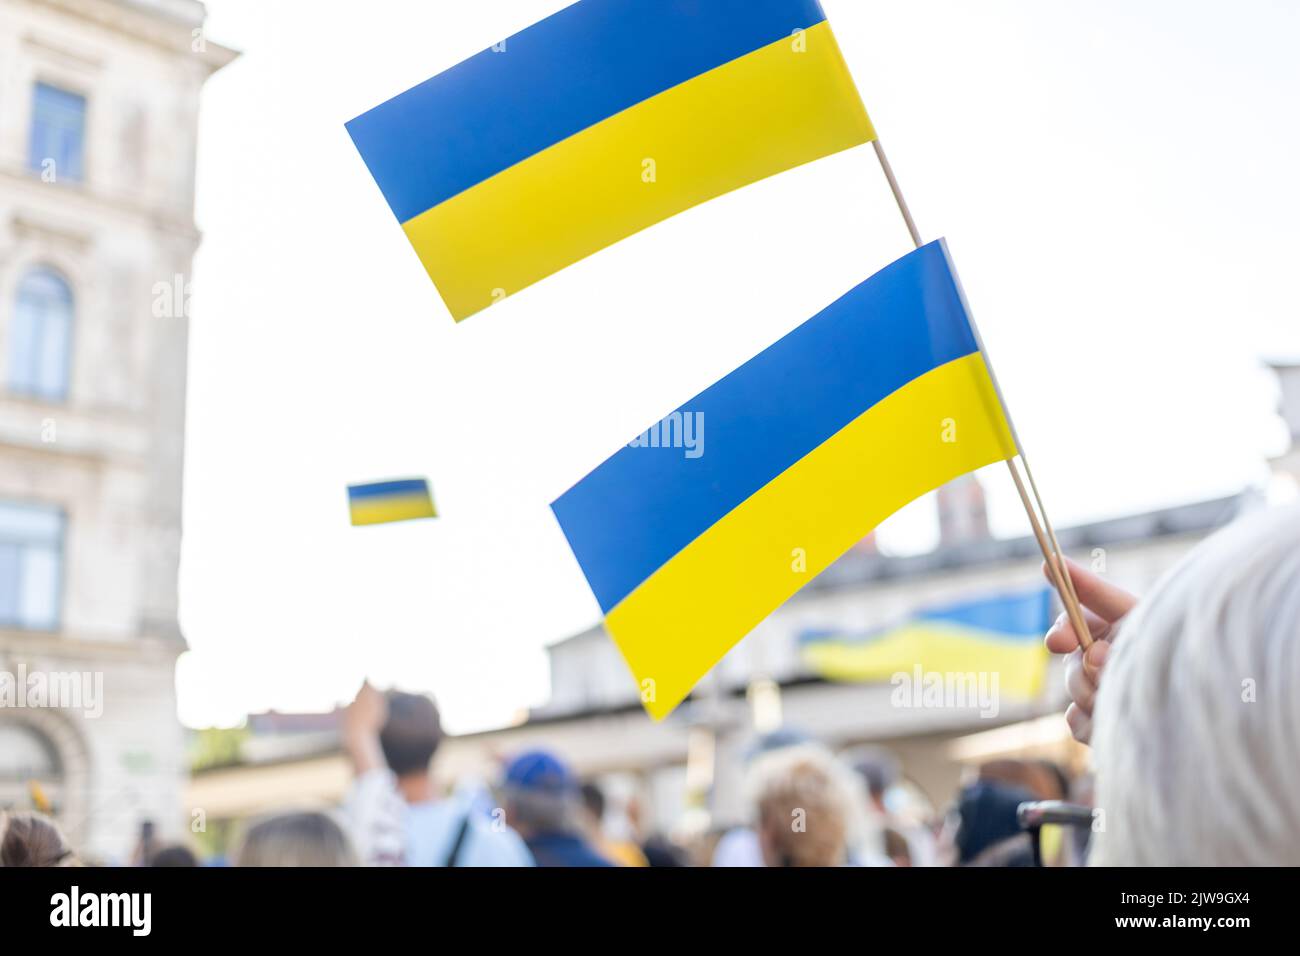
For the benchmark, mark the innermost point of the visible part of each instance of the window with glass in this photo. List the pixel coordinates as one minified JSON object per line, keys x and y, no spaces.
{"x":57,"y":146}
{"x":40,"y":336}
{"x":31,"y":565}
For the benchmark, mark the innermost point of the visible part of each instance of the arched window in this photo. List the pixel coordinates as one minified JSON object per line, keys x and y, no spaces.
{"x":40,"y":337}
{"x":30,"y":769}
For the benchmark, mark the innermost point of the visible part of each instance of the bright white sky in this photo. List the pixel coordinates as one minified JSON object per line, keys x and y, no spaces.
{"x":1117,"y":182}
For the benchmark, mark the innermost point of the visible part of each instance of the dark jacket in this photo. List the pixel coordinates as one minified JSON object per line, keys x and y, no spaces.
{"x":564,"y":849}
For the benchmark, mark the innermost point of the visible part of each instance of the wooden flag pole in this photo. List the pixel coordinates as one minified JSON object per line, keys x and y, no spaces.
{"x":1047,"y":542}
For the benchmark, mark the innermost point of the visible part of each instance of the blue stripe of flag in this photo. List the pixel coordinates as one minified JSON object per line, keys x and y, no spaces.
{"x":550,"y":81}
{"x":388,"y":489}
{"x":1014,"y":615}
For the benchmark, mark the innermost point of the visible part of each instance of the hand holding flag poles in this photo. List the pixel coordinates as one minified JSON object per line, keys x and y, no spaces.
{"x":1047,"y":543}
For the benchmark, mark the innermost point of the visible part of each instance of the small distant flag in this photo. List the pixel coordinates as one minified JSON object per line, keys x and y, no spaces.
{"x":40,"y":801}
{"x":384,"y":501}
{"x":601,"y":120}
{"x":878,"y":399}
{"x":997,"y":633}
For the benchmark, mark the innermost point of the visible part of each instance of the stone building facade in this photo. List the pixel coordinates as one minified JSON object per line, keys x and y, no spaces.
{"x":98,"y":127}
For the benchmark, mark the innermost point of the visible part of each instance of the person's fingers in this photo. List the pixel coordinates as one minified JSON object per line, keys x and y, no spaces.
{"x":1061,"y":638}
{"x":1103,"y":598}
{"x":1080,"y":724}
{"x":1080,"y":685}
{"x":1093,"y":660}
{"x":1104,"y":605}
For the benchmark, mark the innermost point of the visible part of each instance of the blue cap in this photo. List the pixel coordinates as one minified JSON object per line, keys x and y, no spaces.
{"x":540,"y":771}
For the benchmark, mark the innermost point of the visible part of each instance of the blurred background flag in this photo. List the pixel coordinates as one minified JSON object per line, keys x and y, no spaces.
{"x":998,"y":633}
{"x":797,"y":455}
{"x":380,"y":502}
{"x":40,"y":801}
{"x":597,"y":122}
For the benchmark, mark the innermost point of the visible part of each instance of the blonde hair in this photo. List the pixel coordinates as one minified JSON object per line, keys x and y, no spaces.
{"x":1196,"y":729}
{"x":308,"y":838}
{"x":809,"y":806}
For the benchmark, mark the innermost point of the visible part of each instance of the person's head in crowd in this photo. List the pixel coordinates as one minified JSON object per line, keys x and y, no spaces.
{"x":543,"y":804}
{"x":739,"y":846}
{"x":308,"y":838}
{"x":879,"y":770}
{"x":409,"y":739}
{"x":593,"y":804}
{"x":31,"y":839}
{"x":1195,"y":723}
{"x":805,"y":804}
{"x":1044,"y":779}
{"x":541,"y":794}
{"x":174,"y":854}
{"x":988,"y":831}
{"x":617,"y":849}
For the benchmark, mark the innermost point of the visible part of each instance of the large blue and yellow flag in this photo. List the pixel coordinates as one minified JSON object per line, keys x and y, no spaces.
{"x":597,"y":122}
{"x":998,"y":634}
{"x":793,"y":458}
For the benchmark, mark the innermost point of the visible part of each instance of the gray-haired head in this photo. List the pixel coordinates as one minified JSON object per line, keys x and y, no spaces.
{"x":1195,"y":728}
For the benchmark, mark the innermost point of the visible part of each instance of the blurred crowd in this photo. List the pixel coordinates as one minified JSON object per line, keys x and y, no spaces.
{"x":1187,"y":697}
{"x":809,"y":807}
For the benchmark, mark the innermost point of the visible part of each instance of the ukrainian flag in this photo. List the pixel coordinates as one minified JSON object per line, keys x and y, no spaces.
{"x":383,"y":501}
{"x":606,"y":118}
{"x":1001,"y":633}
{"x":868,"y":405}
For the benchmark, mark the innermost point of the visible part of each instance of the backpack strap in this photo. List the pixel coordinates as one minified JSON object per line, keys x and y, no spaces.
{"x":459,"y":842}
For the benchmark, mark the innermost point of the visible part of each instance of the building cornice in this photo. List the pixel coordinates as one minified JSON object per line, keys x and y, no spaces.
{"x":55,"y":645}
{"x":31,"y":216}
{"x":166,"y":24}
